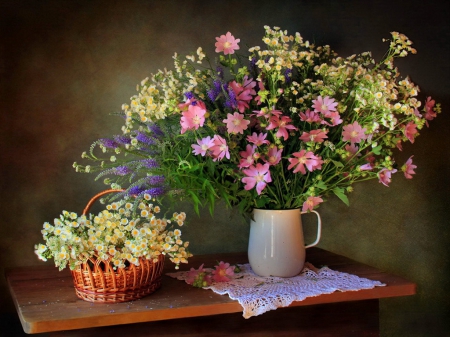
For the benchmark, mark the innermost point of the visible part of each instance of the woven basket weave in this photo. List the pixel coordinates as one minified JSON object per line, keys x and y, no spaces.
{"x":96,"y":280}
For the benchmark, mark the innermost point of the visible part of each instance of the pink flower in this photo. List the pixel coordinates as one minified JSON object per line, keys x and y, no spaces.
{"x":410,"y":131}
{"x":282,"y":125}
{"x":248,"y":157}
{"x":324,"y":105}
{"x":352,"y":149}
{"x":366,"y":167}
{"x":316,"y":136}
{"x":334,"y":117}
{"x":408,"y":168}
{"x":244,"y":92}
{"x":259,"y":176}
{"x":429,"y":110}
{"x":223,"y":272}
{"x":236,"y":123}
{"x":193,"y":118}
{"x":258,"y":139}
{"x":198,"y":278}
{"x":303,"y":159}
{"x":220,"y":148}
{"x":353,"y":133}
{"x":385,"y":176}
{"x":203,"y":147}
{"x":310,"y":116}
{"x":227,"y":43}
{"x":311,"y":202}
{"x":274,"y":156}
{"x":261,"y":88}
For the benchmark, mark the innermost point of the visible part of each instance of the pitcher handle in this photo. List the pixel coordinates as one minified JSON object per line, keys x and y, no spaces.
{"x":319,"y":230}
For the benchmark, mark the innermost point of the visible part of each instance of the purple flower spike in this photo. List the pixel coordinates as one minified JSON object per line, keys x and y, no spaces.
{"x":136,"y":190}
{"x":155,"y":129}
{"x":154,"y":191}
{"x":155,"y":180}
{"x":143,"y":138}
{"x":122,"y":170}
{"x":109,"y":143}
{"x":150,"y":163}
{"x":122,"y":139}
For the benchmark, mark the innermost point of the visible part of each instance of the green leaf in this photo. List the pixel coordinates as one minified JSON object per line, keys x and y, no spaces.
{"x":377,"y":149}
{"x":341,"y":195}
{"x":337,"y":163}
{"x":320,"y":184}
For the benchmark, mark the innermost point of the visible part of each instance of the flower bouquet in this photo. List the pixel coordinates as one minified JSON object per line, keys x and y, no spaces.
{"x":280,"y":127}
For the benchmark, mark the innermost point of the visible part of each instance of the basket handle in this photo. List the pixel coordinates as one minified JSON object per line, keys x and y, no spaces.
{"x":96,"y":197}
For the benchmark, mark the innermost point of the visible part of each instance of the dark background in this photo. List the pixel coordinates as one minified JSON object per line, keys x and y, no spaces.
{"x":65,"y":65}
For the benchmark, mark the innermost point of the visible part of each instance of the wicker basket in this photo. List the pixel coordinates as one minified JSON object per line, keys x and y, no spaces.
{"x":97,"y":281}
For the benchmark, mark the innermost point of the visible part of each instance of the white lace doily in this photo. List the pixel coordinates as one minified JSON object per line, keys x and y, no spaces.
{"x":258,"y":295}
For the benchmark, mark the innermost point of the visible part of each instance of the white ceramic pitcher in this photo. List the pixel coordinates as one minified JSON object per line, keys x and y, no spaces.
{"x":276,"y":245}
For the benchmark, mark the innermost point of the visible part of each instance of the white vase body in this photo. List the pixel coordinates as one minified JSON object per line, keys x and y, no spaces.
{"x":276,"y":244}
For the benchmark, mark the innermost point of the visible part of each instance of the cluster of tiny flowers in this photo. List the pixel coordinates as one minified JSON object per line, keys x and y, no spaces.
{"x":116,"y":235}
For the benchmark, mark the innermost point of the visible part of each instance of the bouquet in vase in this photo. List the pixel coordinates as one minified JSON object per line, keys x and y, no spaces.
{"x":280,"y":126}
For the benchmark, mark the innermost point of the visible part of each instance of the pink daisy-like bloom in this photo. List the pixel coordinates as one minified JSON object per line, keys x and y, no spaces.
{"x":223,"y":272}
{"x":220,"y":148}
{"x":408,"y":168}
{"x":227,"y":44}
{"x":193,"y":274}
{"x":410,"y":131}
{"x":430,"y":114}
{"x":258,"y":139}
{"x":385,"y":176}
{"x":316,"y":136}
{"x":283,"y":126}
{"x":335,"y":119}
{"x":353,"y":133}
{"x":274,"y":156}
{"x":352,"y":149}
{"x":310,"y":203}
{"x":203,"y":147}
{"x":257,"y":176}
{"x":248,"y":156}
{"x":236,"y":123}
{"x":324,"y":105}
{"x":193,"y":118}
{"x":244,"y":92}
{"x":303,"y":159}
{"x":310,"y":116}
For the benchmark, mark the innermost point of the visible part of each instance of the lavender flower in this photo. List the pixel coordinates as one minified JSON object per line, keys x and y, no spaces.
{"x":154,"y":191}
{"x":122,"y":170}
{"x":143,"y":138}
{"x":136,"y":190}
{"x":155,"y":180}
{"x":122,"y":139}
{"x":155,"y":129}
{"x":231,"y":101}
{"x":149,"y":163}
{"x":215,"y":90}
{"x":109,"y":143}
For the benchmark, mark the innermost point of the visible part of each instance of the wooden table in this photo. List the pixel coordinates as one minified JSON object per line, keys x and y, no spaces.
{"x":46,"y":302}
